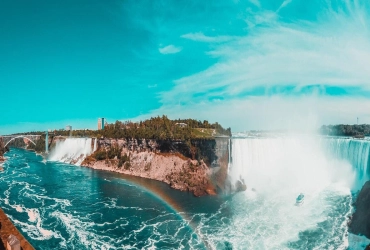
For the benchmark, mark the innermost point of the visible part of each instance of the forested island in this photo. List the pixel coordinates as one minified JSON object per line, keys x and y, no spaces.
{"x":346,"y":130}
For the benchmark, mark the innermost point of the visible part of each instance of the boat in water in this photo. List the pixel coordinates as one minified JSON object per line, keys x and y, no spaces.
{"x":300,"y":199}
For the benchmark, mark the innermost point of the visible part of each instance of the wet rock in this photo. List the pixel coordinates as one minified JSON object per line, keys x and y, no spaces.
{"x":240,"y":186}
{"x":360,"y":222}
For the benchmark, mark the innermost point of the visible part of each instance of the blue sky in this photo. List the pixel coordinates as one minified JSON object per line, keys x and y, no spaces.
{"x":247,"y":64}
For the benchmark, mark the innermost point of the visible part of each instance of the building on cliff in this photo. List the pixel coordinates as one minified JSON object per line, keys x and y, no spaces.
{"x":101,"y":123}
{"x":181,"y":124}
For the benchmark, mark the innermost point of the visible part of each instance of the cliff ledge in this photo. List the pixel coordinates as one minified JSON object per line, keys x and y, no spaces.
{"x":360,"y":222}
{"x":187,"y":166}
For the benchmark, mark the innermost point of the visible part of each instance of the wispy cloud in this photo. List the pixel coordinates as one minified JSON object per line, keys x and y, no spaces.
{"x":298,"y":54}
{"x":284,"y":4}
{"x":255,"y":2}
{"x":152,"y":86}
{"x":170,"y":49}
{"x":200,"y":37}
{"x":331,"y":50}
{"x":273,"y":112}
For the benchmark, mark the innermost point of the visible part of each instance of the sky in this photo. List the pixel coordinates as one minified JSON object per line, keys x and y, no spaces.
{"x":257,"y":64}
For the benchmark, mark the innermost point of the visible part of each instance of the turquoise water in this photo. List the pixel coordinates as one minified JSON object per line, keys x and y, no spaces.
{"x":62,"y":206}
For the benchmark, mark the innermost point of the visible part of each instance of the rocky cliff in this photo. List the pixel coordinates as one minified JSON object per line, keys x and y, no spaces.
{"x":2,"y":149}
{"x":360,"y":222}
{"x":198,"y":166}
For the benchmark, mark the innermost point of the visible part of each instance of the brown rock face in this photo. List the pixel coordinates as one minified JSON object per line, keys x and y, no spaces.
{"x":360,"y":222}
{"x":2,"y":149}
{"x":167,"y":161}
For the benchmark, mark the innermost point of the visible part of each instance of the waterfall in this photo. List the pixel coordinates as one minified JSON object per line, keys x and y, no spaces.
{"x":71,"y":150}
{"x":304,"y":162}
{"x":95,"y":144}
{"x":229,"y":158}
{"x":355,"y":152}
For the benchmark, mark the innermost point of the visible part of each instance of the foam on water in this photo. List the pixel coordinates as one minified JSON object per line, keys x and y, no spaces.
{"x":19,"y":209}
{"x":71,"y":208}
{"x":32,"y":214}
{"x":63,"y":207}
{"x":281,"y":168}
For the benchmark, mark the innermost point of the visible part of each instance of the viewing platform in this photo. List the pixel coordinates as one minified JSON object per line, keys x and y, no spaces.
{"x":6,"y":229}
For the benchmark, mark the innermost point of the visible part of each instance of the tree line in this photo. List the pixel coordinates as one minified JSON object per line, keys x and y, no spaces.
{"x":346,"y":130}
{"x":160,"y":128}
{"x":154,"y":128}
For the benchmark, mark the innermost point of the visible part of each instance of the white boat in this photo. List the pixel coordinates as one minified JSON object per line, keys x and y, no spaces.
{"x":300,"y":200}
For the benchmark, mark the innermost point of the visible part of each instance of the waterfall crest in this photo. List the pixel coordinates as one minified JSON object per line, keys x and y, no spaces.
{"x":95,"y":144}
{"x":71,"y":150}
{"x":355,"y":152}
{"x":304,"y":162}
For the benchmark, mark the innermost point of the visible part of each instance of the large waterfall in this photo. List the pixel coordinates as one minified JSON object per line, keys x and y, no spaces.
{"x":71,"y":150}
{"x":276,"y":170}
{"x":300,"y":161}
{"x":354,"y":152}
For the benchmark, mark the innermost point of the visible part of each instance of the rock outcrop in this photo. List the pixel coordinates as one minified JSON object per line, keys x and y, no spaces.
{"x":2,"y":149}
{"x":188,"y":166}
{"x":240,"y":186}
{"x":360,"y":221}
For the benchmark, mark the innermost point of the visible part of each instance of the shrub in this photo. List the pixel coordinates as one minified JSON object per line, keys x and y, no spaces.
{"x":122,"y":160}
{"x":148,"y":166}
{"x":127,"y":165}
{"x":100,"y":155}
{"x":113,"y":152}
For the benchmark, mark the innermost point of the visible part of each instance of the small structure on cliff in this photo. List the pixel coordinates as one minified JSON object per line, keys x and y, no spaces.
{"x":181,"y":124}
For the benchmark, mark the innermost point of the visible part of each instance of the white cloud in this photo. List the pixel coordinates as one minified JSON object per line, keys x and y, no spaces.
{"x":284,"y":4}
{"x":200,"y":37}
{"x":152,"y":86}
{"x":262,"y":17}
{"x":334,"y":51}
{"x":276,"y":112}
{"x":170,"y":49}
{"x":255,"y":2}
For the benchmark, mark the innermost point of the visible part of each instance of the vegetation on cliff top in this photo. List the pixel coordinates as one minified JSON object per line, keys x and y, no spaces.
{"x":163,"y":128}
{"x":346,"y":130}
{"x":158,"y":127}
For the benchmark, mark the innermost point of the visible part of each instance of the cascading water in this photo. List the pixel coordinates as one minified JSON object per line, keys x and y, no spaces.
{"x":300,"y":161}
{"x":229,"y":158}
{"x":71,"y":150}
{"x":354,"y":152}
{"x":95,"y":144}
{"x":276,"y":171}
{"x":115,"y":214}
